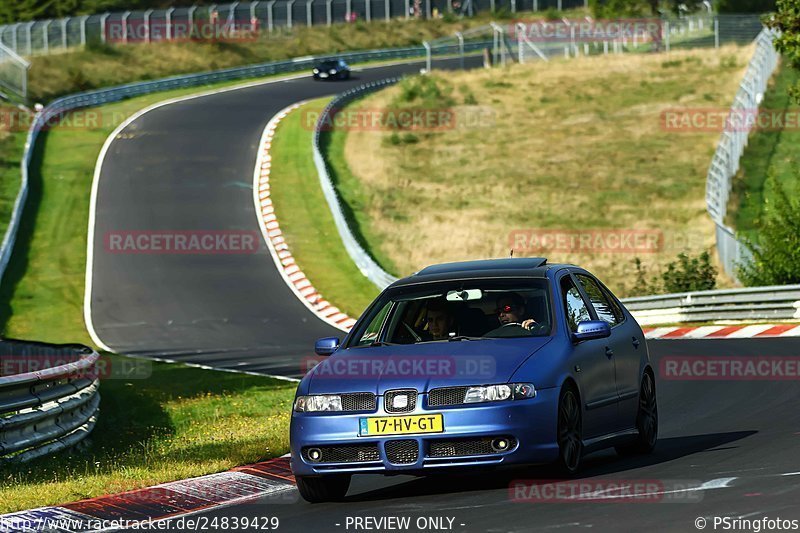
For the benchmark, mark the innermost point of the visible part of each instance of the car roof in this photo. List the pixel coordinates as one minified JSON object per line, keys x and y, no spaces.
{"x":533,"y":267}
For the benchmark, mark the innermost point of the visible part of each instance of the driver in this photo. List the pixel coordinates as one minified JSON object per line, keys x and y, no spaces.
{"x":511,"y":310}
{"x":440,"y":319}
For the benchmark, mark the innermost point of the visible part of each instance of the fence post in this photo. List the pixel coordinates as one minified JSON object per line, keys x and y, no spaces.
{"x":329,"y":11}
{"x":46,"y":36}
{"x":28,"y":38}
{"x":125,"y":26}
{"x":270,"y":23}
{"x":103,"y":20}
{"x":147,"y":14}
{"x":716,"y":32}
{"x":348,"y":9}
{"x":427,"y":55}
{"x":560,"y":6}
{"x":667,"y":31}
{"x":168,"y":21}
{"x":63,"y":33}
{"x":428,"y":8}
{"x":83,"y":29}
{"x":289,"y":14}
{"x":368,"y":9}
{"x":460,"y":37}
{"x":14,"y":37}
{"x":388,"y":8}
{"x":408,"y":9}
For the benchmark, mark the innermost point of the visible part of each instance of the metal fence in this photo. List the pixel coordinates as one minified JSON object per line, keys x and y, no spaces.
{"x":52,"y":404}
{"x":725,"y":162}
{"x":236,"y":20}
{"x":13,"y":72}
{"x":750,"y":304}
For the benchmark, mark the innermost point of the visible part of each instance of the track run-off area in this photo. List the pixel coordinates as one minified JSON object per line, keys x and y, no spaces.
{"x":727,"y":448}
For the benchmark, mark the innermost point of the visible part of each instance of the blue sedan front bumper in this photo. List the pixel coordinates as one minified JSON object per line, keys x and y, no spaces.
{"x":529,"y":424}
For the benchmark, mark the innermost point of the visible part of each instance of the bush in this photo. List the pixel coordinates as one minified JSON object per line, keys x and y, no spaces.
{"x":429,"y":92}
{"x":641,"y":286}
{"x":776,"y":247}
{"x":690,"y":274}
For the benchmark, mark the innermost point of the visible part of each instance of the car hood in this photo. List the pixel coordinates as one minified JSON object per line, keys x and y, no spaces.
{"x":421,"y":366}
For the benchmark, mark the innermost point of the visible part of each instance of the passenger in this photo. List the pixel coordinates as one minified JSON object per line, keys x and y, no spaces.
{"x":440,"y":319}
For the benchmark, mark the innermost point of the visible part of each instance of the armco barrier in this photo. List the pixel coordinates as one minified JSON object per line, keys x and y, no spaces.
{"x":360,"y":257}
{"x":736,"y":305}
{"x":50,"y":406}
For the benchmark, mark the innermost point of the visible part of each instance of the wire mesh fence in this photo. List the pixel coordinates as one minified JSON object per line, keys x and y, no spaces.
{"x":13,"y":72}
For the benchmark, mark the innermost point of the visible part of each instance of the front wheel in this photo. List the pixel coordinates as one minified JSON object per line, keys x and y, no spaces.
{"x":646,"y":420}
{"x":570,"y":440}
{"x":323,"y":489}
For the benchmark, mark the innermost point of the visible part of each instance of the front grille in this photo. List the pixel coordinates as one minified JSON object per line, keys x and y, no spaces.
{"x":402,"y":452}
{"x":346,"y":453}
{"x":359,"y":401}
{"x":447,"y":396}
{"x":388,"y":400}
{"x":465,"y":447}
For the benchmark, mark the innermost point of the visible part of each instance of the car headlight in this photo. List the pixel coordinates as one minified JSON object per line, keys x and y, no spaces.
{"x":497,"y":393}
{"x":321,"y":402}
{"x":315,"y":71}
{"x":332,"y":71}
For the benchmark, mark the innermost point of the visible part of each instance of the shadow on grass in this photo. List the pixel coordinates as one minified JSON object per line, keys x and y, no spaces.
{"x":18,"y":263}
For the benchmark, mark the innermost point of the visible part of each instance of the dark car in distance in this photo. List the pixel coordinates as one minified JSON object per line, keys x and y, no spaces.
{"x":331,"y":69}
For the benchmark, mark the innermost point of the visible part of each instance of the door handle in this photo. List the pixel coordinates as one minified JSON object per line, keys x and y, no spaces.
{"x":635,"y":342}
{"x":609,"y":352}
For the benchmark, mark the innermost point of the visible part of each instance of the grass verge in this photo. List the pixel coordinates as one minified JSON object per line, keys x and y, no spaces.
{"x":770,"y":152}
{"x":178,"y":422}
{"x":306,"y":222}
{"x":12,"y":142}
{"x":570,"y":146}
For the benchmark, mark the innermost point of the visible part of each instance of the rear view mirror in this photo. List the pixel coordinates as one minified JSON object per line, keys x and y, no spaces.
{"x":326,"y":345}
{"x":592,"y":329}
{"x":465,"y":295}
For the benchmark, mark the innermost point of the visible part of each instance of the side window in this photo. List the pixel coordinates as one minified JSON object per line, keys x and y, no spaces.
{"x":373,"y":329}
{"x":574,"y":305}
{"x":606,"y":308}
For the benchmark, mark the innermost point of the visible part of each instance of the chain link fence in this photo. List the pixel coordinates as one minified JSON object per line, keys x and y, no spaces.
{"x":13,"y":72}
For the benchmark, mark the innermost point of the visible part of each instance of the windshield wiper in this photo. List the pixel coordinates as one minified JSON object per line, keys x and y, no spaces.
{"x":466,"y":338}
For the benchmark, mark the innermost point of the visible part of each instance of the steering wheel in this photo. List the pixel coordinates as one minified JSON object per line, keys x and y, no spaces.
{"x":413,"y":333}
{"x":511,"y":324}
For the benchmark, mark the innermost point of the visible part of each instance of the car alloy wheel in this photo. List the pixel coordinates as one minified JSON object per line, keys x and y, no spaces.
{"x":570,"y":442}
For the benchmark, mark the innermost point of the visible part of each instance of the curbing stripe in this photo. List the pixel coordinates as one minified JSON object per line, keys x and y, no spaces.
{"x":282,"y":256}
{"x":723,"y":332}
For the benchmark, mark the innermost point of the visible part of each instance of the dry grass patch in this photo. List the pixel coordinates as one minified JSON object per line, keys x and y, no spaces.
{"x":569,"y":145}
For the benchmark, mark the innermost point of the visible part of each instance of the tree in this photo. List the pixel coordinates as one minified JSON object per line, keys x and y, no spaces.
{"x":746,"y":6}
{"x":776,"y":246}
{"x":787,"y":21}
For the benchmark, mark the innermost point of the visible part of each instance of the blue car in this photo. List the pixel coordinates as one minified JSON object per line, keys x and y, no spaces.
{"x":475,"y":364}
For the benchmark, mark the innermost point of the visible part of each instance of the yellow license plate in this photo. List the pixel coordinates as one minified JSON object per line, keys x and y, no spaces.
{"x":401,"y":425}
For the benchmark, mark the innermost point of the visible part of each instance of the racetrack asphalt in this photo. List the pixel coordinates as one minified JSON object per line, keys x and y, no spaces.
{"x":189,"y":165}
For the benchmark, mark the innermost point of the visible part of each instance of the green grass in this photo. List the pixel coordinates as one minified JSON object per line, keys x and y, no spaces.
{"x":12,"y":142}
{"x":306,"y":222}
{"x":180,"y":422}
{"x":775,"y":153}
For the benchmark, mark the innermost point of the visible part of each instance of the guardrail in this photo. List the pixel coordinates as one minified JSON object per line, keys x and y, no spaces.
{"x":732,"y":142}
{"x":365,"y":263}
{"x":50,"y":408}
{"x":65,"y":104}
{"x":749,"y":304}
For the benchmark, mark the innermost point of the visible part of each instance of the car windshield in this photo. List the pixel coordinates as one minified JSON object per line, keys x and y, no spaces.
{"x":457,"y":311}
{"x":329,"y":64}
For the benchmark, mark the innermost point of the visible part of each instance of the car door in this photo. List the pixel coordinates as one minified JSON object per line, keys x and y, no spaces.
{"x":622,"y":347}
{"x":593,"y":369}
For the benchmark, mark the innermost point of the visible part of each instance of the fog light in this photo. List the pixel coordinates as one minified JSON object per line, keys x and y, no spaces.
{"x":500,"y":445}
{"x":314,"y":454}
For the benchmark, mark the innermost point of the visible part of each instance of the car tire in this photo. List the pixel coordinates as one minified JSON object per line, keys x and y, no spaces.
{"x":323,"y":489}
{"x":646,"y":420}
{"x":569,"y":435}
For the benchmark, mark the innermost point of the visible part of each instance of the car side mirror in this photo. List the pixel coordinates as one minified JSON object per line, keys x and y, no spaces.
{"x":326,"y":345}
{"x":592,"y":329}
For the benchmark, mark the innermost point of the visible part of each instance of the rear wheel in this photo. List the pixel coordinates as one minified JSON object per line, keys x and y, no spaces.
{"x":323,"y":489}
{"x":646,"y":420}
{"x":570,"y":440}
